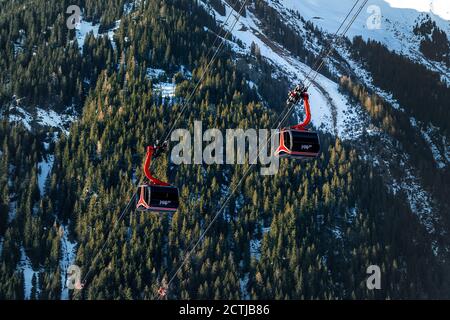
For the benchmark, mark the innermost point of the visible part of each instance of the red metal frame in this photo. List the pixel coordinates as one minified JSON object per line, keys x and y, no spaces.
{"x":301,"y":126}
{"x":162,"y":292}
{"x":142,"y":202}
{"x":282,"y":146}
{"x":148,"y":160}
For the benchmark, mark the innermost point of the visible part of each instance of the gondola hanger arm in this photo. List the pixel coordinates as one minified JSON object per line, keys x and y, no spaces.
{"x":151,"y":152}
{"x":301,"y":126}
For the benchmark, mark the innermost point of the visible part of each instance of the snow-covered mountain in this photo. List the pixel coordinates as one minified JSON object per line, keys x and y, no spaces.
{"x":397,"y":17}
{"x":390,"y":22}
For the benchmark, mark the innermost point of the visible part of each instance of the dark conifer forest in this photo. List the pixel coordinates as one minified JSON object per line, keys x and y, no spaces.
{"x":319,"y":224}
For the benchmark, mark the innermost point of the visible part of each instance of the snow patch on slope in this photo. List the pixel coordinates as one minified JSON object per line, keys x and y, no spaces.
{"x":83,"y":28}
{"x":255,"y":245}
{"x":68,"y":254}
{"x":255,"y":248}
{"x":154,"y":73}
{"x":166,"y":89}
{"x":52,"y":119}
{"x":21,"y":116}
{"x":440,"y":155}
{"x":28,"y":272}
{"x":112,"y":32}
{"x":131,"y":6}
{"x":42,"y":117}
{"x":12,"y":211}
{"x":243,"y":284}
{"x":44,"y":168}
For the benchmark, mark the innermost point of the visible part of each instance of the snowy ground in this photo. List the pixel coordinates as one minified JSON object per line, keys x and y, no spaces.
{"x":255,"y":248}
{"x":163,"y":83}
{"x":112,"y":32}
{"x":83,"y":28}
{"x":166,"y":89}
{"x":20,"y":115}
{"x":68,"y":254}
{"x":28,"y":272}
{"x":153,"y":73}
{"x":52,"y":119}
{"x":243,"y":284}
{"x":440,"y":152}
{"x":12,"y":211}
{"x":44,"y":168}
{"x":43,"y":117}
{"x":255,"y":245}
{"x":399,"y":12}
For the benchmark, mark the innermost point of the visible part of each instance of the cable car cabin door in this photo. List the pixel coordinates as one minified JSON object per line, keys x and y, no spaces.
{"x":298,"y":144}
{"x":157,"y":198}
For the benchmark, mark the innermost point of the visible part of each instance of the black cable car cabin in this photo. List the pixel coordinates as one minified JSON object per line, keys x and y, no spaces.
{"x":157,"y":198}
{"x":156,"y":195}
{"x":296,"y":142}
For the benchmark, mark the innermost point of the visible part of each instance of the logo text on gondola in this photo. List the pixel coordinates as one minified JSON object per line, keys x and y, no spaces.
{"x":211,"y":147}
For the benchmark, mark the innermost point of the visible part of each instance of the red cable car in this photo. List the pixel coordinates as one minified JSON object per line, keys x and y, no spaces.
{"x":296,"y":142}
{"x":162,"y":292}
{"x":156,"y":195}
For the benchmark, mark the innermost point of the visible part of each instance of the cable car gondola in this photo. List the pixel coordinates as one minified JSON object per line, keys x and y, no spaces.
{"x":296,"y":142}
{"x":156,"y":195}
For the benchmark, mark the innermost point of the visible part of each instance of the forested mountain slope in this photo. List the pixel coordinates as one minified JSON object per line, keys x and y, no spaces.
{"x":308,"y":232}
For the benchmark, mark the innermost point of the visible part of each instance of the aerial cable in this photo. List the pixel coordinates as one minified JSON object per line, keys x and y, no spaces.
{"x":323,"y":53}
{"x":108,"y":237}
{"x":238,"y":184}
{"x":218,"y":36}
{"x":317,"y":70}
{"x":219,"y":48}
{"x":225,"y":202}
